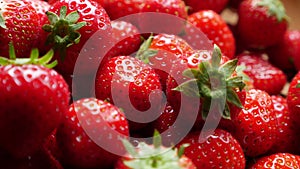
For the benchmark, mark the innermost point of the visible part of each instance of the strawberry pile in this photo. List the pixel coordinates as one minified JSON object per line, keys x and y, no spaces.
{"x":84,"y":84}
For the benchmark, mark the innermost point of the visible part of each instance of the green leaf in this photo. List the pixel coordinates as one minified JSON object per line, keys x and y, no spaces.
{"x":189,"y":88}
{"x":191,"y":73}
{"x":181,"y":149}
{"x":275,"y":8}
{"x":63,"y":12}
{"x":72,"y":17}
{"x":235,"y":82}
{"x":298,"y":85}
{"x":77,"y":26}
{"x":226,"y":112}
{"x":229,"y":67}
{"x":233,"y":98}
{"x":52,"y":17}
{"x":129,"y":147}
{"x":156,"y":139}
{"x":216,"y":56}
{"x":12,"y":53}
{"x":2,"y":22}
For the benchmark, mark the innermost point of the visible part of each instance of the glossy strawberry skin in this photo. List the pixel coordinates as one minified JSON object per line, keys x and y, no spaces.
{"x":170,"y":48}
{"x":256,"y":27}
{"x":74,"y":136}
{"x":285,"y":55}
{"x":97,"y":22}
{"x":287,"y":134}
{"x":131,"y":84}
{"x":218,"y":150}
{"x":126,"y":39}
{"x":216,"y":29}
{"x":293,"y":100}
{"x":38,"y":97}
{"x":265,"y":76}
{"x":255,"y":125}
{"x":279,"y":160}
{"x":22,"y":25}
{"x":160,"y":20}
{"x":215,"y":5}
{"x":119,"y":8}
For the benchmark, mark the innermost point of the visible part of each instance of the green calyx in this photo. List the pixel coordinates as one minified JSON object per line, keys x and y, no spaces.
{"x":275,"y":8}
{"x":298,"y":85}
{"x":2,"y":22}
{"x":33,"y":59}
{"x":214,"y":84}
{"x":153,"y":156}
{"x":144,"y":53}
{"x":63,"y":30}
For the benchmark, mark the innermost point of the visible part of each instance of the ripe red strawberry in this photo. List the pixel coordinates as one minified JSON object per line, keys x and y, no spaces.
{"x":216,"y":29}
{"x":126,"y":39}
{"x":293,"y":100}
{"x":279,"y":160}
{"x":119,"y":8}
{"x":255,"y":125}
{"x":161,"y":51}
{"x":287,"y":134}
{"x":261,"y":23}
{"x":84,"y":19}
{"x":132,"y":85}
{"x":37,"y":96}
{"x":215,"y":5}
{"x":264,"y":75}
{"x":286,"y":54}
{"x":153,"y":156}
{"x":218,"y":150}
{"x":199,"y":78}
{"x":168,"y":16}
{"x":282,"y":54}
{"x":41,"y":8}
{"x":89,"y":119}
{"x":19,"y":25}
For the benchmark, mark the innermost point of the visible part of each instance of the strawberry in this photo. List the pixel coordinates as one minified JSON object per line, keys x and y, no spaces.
{"x":19,"y":25}
{"x":168,"y":16}
{"x":41,"y":8}
{"x":118,"y":8}
{"x":82,"y":19}
{"x":153,"y":156}
{"x":216,"y":29}
{"x":279,"y":160}
{"x":132,"y":85}
{"x":261,"y":23}
{"x":285,"y":55}
{"x":88,"y":119}
{"x":201,"y":79}
{"x":264,"y":75}
{"x":218,"y":150}
{"x":126,"y":38}
{"x":255,"y":125}
{"x":161,"y":51}
{"x":293,"y":100}
{"x":195,"y":5}
{"x":41,"y":96}
{"x":287,"y":134}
